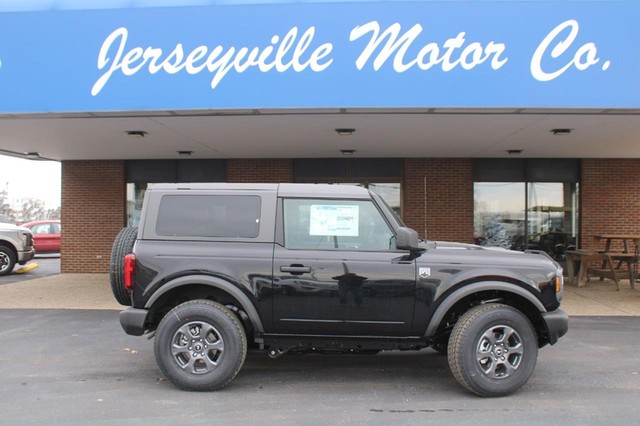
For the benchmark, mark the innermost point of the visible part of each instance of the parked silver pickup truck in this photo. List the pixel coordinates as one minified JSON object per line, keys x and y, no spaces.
{"x":16,"y":247}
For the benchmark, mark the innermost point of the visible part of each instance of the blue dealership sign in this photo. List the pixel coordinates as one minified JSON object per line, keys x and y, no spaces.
{"x":478,"y":54}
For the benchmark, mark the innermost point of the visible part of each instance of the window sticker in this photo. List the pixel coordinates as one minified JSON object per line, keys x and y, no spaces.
{"x":341,"y":221}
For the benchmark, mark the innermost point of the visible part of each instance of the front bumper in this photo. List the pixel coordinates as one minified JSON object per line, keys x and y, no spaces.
{"x":25,"y":256}
{"x":133,"y":321}
{"x":556,"y":323}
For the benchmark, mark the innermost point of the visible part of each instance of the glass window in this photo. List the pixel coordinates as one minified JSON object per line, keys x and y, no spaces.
{"x":335,"y":224}
{"x":235,"y":216}
{"x":390,"y":193}
{"x":552,"y":217}
{"x":135,"y":195}
{"x":499,"y":214}
{"x":519,"y":216}
{"x":42,"y":228}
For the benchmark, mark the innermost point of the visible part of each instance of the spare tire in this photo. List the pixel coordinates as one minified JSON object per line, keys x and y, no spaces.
{"x":122,"y":246}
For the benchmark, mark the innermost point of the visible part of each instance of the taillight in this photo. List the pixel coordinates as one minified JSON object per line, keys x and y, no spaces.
{"x":129,"y":271}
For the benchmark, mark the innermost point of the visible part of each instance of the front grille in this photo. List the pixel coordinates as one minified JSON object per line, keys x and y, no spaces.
{"x":29,"y":240}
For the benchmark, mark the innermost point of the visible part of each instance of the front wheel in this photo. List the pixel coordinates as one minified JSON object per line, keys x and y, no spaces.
{"x":7,"y":260}
{"x":492,"y":350}
{"x":200,"y":345}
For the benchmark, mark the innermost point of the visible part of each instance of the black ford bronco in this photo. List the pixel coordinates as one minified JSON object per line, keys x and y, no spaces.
{"x":293,"y":268}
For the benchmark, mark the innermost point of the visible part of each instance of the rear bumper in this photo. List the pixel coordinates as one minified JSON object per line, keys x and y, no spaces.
{"x":556,"y":323}
{"x":133,"y":321}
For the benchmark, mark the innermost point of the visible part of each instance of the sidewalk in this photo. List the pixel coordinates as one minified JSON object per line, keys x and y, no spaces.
{"x":92,"y":291}
{"x":63,"y":291}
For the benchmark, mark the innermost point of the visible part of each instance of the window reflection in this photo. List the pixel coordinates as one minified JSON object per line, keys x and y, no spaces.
{"x":135,"y":195}
{"x":499,"y":219}
{"x":552,"y":220}
{"x":519,"y":216}
{"x":389,"y":192}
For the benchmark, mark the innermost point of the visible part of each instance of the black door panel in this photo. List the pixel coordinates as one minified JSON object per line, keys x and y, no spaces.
{"x":343,"y":292}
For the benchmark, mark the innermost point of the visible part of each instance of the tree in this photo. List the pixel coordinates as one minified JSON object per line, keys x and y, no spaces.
{"x":32,"y":209}
{"x":7,"y":214}
{"x":53,"y":214}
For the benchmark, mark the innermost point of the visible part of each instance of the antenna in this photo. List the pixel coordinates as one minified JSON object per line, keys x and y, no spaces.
{"x":425,"y":208}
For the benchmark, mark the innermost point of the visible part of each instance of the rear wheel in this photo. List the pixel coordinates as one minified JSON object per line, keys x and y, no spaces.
{"x":7,"y":260}
{"x":122,"y":246}
{"x":493,"y":350}
{"x":200,"y":345}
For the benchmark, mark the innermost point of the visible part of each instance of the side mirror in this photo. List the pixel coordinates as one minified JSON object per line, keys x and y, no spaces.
{"x":407,"y":239}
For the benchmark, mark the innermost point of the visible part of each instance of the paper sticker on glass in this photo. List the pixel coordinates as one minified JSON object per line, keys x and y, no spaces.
{"x":335,"y":220}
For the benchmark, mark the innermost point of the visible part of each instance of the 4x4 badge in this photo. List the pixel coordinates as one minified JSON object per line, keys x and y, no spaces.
{"x":424,"y":272}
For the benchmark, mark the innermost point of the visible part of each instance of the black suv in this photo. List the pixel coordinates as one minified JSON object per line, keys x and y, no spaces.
{"x":294,"y":268}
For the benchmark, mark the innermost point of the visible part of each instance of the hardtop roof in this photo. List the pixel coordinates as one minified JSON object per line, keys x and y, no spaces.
{"x":283,"y":189}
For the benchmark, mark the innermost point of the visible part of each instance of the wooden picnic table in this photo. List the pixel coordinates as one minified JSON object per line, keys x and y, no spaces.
{"x":611,"y":260}
{"x":610,"y":238}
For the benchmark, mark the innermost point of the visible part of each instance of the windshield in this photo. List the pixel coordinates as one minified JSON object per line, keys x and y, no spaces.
{"x":390,"y":213}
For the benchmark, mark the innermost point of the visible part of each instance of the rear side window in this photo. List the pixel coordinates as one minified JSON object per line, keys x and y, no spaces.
{"x":235,"y":216}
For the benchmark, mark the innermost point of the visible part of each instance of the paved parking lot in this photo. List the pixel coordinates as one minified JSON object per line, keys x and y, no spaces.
{"x":72,"y":367}
{"x":48,"y":264}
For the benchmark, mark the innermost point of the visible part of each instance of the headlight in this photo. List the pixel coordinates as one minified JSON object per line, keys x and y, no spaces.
{"x":26,"y":237}
{"x":559,"y":285}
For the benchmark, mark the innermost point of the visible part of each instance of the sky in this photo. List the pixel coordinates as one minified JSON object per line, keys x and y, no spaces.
{"x":31,"y":179}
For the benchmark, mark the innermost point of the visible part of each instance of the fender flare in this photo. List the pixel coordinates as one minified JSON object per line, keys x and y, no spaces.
{"x":217,"y":283}
{"x":467,"y":290}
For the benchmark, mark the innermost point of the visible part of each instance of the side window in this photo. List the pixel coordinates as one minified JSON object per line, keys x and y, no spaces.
{"x":42,"y":228}
{"x":335,"y":225}
{"x":234,"y":216}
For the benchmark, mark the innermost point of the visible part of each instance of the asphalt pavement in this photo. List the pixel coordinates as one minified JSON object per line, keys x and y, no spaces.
{"x":77,"y":367}
{"x":48,"y":264}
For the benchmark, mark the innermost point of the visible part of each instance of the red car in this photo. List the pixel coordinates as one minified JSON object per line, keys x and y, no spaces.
{"x":46,"y":235}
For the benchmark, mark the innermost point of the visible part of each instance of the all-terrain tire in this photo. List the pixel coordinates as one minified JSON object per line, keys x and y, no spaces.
{"x":200,"y":345}
{"x":7,"y":260}
{"x":493,"y":350}
{"x":122,"y":245}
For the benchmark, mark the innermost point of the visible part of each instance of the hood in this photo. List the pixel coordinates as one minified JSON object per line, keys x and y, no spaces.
{"x":490,"y":255}
{"x":11,"y":227}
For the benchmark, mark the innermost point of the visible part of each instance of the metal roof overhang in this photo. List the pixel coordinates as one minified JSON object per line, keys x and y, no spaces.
{"x":310,"y":133}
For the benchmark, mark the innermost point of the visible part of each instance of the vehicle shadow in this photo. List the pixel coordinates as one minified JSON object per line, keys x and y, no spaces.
{"x":414,"y":369}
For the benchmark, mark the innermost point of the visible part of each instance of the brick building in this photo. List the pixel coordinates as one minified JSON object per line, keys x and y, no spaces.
{"x":474,"y":123}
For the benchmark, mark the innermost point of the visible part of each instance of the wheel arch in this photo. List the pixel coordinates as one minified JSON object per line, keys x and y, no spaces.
{"x":458,"y":302}
{"x":202,"y":286}
{"x":10,"y":246}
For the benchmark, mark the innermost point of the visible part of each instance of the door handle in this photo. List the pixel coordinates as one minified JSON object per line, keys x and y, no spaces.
{"x":296,"y":269}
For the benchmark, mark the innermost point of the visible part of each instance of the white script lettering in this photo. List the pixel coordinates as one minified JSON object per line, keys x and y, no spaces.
{"x":583,"y":58}
{"x":453,"y":52}
{"x":290,"y":52}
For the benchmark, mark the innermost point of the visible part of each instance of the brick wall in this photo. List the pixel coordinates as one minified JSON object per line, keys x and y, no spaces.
{"x":609,"y":198}
{"x":447,"y":208}
{"x":260,"y":171}
{"x":93,"y":211}
{"x":93,"y":201}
